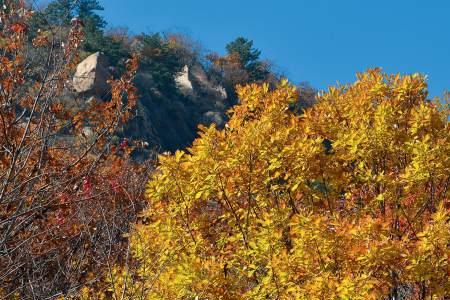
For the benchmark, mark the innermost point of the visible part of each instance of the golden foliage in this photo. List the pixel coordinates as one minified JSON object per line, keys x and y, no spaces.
{"x":347,"y":201}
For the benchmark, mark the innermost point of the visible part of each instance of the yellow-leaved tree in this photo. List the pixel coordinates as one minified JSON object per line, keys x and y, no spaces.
{"x":348,"y":200}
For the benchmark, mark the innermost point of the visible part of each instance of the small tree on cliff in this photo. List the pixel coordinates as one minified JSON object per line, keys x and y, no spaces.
{"x":249,"y":58}
{"x":241,"y":65}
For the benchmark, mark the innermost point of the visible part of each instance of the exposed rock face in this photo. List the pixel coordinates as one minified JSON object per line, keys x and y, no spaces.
{"x":183,"y":82}
{"x":211,"y":90}
{"x":140,"y":127}
{"x":168,"y":120}
{"x":163,"y":119}
{"x":91,"y":76}
{"x":193,"y":82}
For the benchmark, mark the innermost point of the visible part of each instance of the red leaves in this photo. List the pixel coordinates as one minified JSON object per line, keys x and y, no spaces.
{"x":59,"y":217}
{"x":115,"y":185}
{"x":19,"y":27}
{"x":64,"y":198}
{"x":40,"y":41}
{"x":86,"y":186}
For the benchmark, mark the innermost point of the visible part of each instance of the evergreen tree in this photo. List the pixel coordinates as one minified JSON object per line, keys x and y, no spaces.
{"x":93,"y":25}
{"x":86,"y":11}
{"x":243,"y":48}
{"x":249,"y":58}
{"x":161,"y":60}
{"x":59,"y":12}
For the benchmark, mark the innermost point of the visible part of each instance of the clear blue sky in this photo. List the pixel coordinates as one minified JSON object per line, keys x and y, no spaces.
{"x":318,"y":41}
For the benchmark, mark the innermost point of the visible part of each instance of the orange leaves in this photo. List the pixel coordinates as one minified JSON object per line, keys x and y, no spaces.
{"x":19,"y":27}
{"x":124,"y":94}
{"x":42,"y":39}
{"x":60,"y":192}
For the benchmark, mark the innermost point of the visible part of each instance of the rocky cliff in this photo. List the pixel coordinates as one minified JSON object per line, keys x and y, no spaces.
{"x":165,"y":121}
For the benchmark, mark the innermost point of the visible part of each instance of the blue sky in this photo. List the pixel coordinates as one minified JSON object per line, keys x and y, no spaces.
{"x":318,"y":41}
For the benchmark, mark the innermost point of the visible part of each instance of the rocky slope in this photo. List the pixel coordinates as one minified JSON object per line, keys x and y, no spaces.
{"x":164,"y":121}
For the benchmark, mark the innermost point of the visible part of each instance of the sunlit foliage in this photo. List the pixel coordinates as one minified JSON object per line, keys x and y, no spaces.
{"x":348,"y":200}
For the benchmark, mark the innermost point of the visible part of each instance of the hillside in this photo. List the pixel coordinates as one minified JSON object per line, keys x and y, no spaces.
{"x":179,"y":88}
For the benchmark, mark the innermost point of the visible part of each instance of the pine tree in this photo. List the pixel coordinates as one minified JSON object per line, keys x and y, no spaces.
{"x":249,"y":58}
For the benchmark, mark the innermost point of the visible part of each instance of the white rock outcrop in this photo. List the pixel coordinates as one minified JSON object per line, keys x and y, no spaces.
{"x":183,"y":82}
{"x":193,"y":81}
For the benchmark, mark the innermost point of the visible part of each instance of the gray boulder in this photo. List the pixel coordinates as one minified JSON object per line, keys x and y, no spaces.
{"x":91,"y":76}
